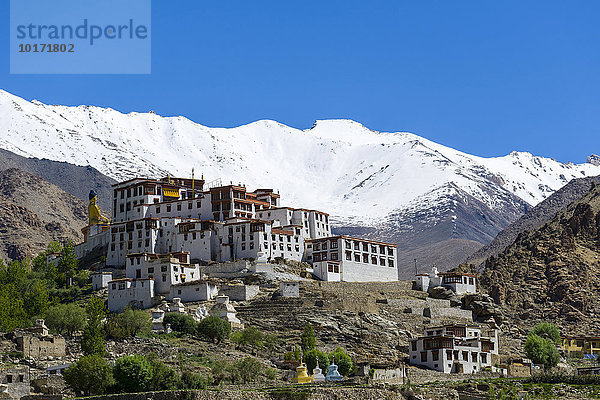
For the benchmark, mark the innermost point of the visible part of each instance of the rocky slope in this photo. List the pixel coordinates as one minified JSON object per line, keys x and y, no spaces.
{"x":73,"y":179}
{"x":535,"y":217}
{"x":552,"y":272}
{"x":34,"y":212}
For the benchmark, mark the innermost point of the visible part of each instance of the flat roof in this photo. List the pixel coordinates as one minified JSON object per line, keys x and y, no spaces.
{"x":351,"y":238}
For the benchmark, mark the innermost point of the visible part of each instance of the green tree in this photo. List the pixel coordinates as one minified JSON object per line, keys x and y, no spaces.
{"x":250,"y":336}
{"x":36,"y":298}
{"x":66,"y":318}
{"x":180,"y":323}
{"x":541,"y":351}
{"x":132,"y":373}
{"x":67,"y":265}
{"x":92,"y":341}
{"x":547,"y":330}
{"x":311,"y":357}
{"x":343,"y":361}
{"x":214,"y":328}
{"x":91,"y":375}
{"x":308,"y":339}
{"x":135,"y":321}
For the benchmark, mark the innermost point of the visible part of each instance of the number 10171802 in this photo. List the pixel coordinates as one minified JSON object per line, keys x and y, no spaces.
{"x":46,"y":48}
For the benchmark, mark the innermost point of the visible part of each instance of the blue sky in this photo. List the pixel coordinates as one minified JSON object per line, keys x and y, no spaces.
{"x":485,"y":77}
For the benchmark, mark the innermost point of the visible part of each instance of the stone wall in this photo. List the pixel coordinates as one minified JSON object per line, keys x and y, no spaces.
{"x":41,"y":346}
{"x":312,"y":393}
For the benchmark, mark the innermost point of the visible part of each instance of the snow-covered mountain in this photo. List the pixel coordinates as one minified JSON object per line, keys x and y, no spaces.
{"x":385,"y":181}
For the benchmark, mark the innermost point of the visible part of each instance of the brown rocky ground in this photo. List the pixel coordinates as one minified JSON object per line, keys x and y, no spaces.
{"x":552,"y":273}
{"x":34,"y":212}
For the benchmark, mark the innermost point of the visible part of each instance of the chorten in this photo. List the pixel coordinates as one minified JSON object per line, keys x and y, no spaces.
{"x":318,"y":374}
{"x":301,"y":375}
{"x":332,"y":373}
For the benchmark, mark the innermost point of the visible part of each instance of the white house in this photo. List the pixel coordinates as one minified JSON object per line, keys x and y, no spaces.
{"x":344,"y":258}
{"x":126,"y":292}
{"x":100,"y":280}
{"x":289,"y":289}
{"x":165,"y":269}
{"x":194,"y":291}
{"x":458,"y":282}
{"x":454,"y":348}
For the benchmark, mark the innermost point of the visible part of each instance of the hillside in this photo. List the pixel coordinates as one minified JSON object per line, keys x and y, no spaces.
{"x":369,"y":181}
{"x":553,"y":272}
{"x":73,"y":179}
{"x":34,"y":212}
{"x":535,"y":217}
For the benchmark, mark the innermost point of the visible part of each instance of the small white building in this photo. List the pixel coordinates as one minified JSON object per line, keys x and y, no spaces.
{"x":458,"y":282}
{"x":100,"y":280}
{"x":127,"y":292}
{"x":454,"y":348}
{"x":289,"y":289}
{"x":194,"y":291}
{"x":348,"y":259}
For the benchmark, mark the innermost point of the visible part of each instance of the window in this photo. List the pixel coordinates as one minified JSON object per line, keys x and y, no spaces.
{"x":197,"y":204}
{"x":164,"y":278}
{"x":158,"y":209}
{"x":413,"y":345}
{"x":465,"y":355}
{"x":8,"y":378}
{"x":190,"y":205}
{"x":168,"y":208}
{"x":317,"y":247}
{"x":333,"y":256}
{"x":334,"y":244}
{"x":357,"y":257}
{"x":349,"y":255}
{"x":150,"y":270}
{"x":324,"y":246}
{"x":163,"y":268}
{"x":178,"y":206}
{"x":365,"y":247}
{"x":382,"y":261}
{"x":390,"y":251}
{"x":391,"y":263}
{"x":423,"y":356}
{"x":147,"y":242}
{"x":435,"y":355}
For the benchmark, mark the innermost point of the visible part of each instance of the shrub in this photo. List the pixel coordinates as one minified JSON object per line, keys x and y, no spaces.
{"x":343,"y":361}
{"x":91,"y":375}
{"x":249,"y":369}
{"x":65,"y":318}
{"x":191,"y":380}
{"x":541,"y":351}
{"x":547,"y":330}
{"x":132,"y":373}
{"x":163,"y":377}
{"x":214,"y":328}
{"x":308,"y":339}
{"x":180,"y":323}
{"x":311,"y":357}
{"x":271,"y":374}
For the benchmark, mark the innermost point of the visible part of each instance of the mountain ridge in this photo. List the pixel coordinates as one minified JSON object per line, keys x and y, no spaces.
{"x":363,"y":178}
